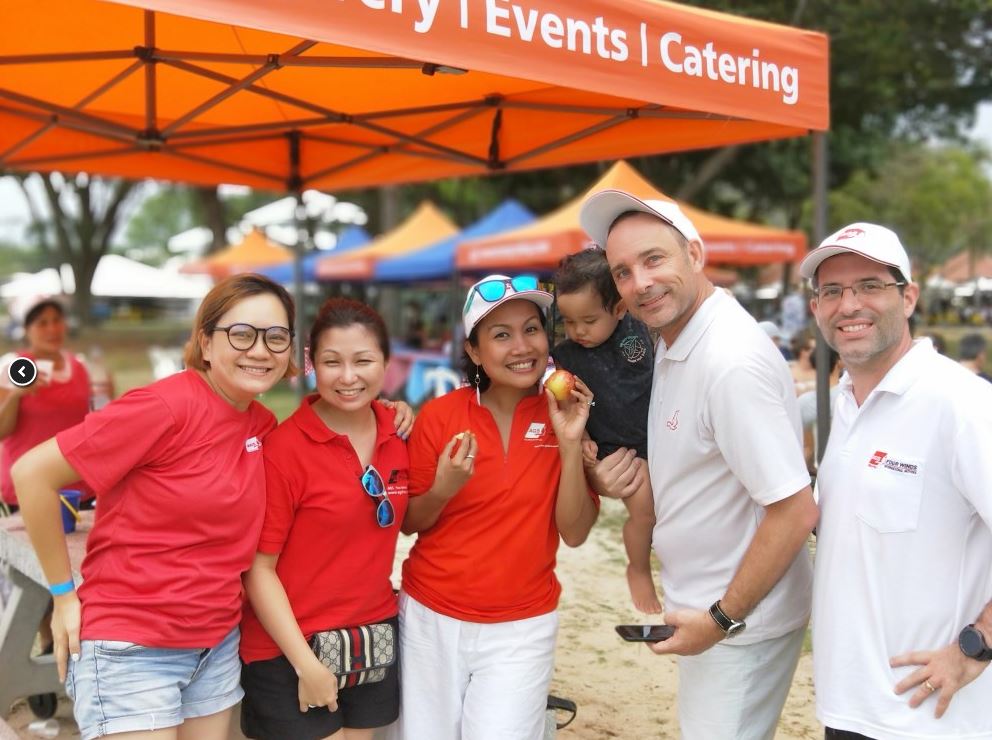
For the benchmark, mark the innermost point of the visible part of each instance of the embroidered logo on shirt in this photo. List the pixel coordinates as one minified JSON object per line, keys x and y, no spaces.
{"x":877,"y":458}
{"x":673,"y":423}
{"x":253,"y":444}
{"x":535,"y":431}
{"x":632,"y":349}
{"x":888,"y":463}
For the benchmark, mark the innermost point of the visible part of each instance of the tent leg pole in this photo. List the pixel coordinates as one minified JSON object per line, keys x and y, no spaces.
{"x":820,"y":153}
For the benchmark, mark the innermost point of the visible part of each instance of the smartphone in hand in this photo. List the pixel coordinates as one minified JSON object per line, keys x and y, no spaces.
{"x":645,"y":632}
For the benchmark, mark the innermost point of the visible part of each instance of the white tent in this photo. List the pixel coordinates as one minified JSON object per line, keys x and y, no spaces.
{"x":115,"y":277}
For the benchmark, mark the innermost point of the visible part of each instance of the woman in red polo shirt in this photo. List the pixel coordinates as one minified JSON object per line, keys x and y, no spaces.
{"x":57,"y":400}
{"x":496,"y":477}
{"x":336,"y":488}
{"x":177,"y":468}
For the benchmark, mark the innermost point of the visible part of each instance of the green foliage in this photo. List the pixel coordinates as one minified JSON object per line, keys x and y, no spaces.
{"x":936,"y":198}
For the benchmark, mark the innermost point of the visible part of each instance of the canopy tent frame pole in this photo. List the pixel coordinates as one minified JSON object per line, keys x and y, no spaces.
{"x":822,"y":352}
{"x":295,"y":186}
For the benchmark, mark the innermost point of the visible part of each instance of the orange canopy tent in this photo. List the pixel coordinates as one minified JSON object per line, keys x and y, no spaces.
{"x":349,"y":93}
{"x":256,"y":250}
{"x":426,"y":225}
{"x":539,"y":246}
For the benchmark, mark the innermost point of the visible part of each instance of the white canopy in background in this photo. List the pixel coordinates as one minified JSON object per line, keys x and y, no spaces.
{"x":115,"y":277}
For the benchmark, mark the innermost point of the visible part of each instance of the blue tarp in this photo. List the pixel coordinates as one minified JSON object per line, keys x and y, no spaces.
{"x":350,"y":238}
{"x":438,"y":259}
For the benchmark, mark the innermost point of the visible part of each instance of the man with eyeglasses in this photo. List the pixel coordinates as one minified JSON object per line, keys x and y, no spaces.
{"x":732,"y":494}
{"x":902,"y":604}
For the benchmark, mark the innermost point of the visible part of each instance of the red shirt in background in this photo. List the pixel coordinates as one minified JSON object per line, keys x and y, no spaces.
{"x":43,"y":414}
{"x":334,"y":559}
{"x":180,"y":489}
{"x":491,"y":555}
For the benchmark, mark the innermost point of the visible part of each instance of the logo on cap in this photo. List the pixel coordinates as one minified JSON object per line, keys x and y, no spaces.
{"x":850,"y":234}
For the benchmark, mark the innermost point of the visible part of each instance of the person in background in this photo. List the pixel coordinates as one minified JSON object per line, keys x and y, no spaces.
{"x":336,"y":479}
{"x":496,"y":480}
{"x":612,"y":352}
{"x":775,"y":334}
{"x":732,"y":494}
{"x":58,"y":399}
{"x":902,"y":598}
{"x":971,"y":354}
{"x":802,"y":367}
{"x":151,"y":637}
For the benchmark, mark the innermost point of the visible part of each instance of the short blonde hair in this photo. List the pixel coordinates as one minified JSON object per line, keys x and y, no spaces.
{"x":222,"y":298}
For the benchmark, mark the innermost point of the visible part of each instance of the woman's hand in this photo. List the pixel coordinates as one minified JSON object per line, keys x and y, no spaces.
{"x":455,"y":466}
{"x":65,"y":630}
{"x":318,"y":687}
{"x":404,"y":416}
{"x":569,"y":417}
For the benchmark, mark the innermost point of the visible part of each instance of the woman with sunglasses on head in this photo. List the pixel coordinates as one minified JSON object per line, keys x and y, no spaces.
{"x":177,"y":469}
{"x":496,"y":478}
{"x":336,"y":475}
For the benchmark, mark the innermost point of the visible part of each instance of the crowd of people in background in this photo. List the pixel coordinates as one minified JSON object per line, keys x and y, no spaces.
{"x":705,"y":433}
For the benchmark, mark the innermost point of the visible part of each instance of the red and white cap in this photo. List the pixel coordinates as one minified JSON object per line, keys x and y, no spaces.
{"x":871,"y":241}
{"x":603,"y":208}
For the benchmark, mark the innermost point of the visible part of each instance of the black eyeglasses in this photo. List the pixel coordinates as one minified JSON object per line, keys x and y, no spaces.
{"x":243,"y":337}
{"x":374,"y":487}
{"x":493,"y":290}
{"x":864,"y":288}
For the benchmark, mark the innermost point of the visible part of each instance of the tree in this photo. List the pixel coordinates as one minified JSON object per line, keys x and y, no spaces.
{"x":936,"y":198}
{"x":84,"y":212}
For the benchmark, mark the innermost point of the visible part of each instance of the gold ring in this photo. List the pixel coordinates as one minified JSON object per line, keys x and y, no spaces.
{"x":930,"y":687}
{"x":469,"y":457}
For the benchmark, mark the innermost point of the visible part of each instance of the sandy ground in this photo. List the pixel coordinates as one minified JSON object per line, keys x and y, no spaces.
{"x":622,"y":690}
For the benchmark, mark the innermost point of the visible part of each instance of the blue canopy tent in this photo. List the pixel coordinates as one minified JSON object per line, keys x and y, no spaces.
{"x":350,"y":238}
{"x":437,"y":260}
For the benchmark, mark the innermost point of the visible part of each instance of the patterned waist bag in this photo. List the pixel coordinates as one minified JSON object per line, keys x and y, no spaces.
{"x":357,"y":655}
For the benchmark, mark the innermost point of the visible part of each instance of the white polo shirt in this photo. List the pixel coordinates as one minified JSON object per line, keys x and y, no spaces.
{"x":724,"y":441}
{"x":904,"y":546}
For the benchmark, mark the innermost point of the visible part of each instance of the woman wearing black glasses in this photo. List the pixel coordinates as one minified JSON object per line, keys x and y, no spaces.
{"x":178,"y":472}
{"x":496,"y":478}
{"x":321,"y":600}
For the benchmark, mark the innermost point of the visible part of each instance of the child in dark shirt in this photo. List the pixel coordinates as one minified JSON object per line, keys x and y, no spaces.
{"x":612,"y":353}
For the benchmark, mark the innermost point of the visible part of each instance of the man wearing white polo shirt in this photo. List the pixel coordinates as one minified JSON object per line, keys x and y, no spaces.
{"x":902,"y":606}
{"x":732,"y":496}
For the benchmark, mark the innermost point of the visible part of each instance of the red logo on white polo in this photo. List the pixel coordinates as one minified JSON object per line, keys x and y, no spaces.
{"x":851,"y":233}
{"x":877,"y":458}
{"x":673,"y":423}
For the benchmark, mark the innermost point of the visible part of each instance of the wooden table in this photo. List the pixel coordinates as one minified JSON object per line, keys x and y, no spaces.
{"x":20,"y":674}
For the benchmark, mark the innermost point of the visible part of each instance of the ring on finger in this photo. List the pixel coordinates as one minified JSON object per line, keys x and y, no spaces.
{"x":929,"y":686}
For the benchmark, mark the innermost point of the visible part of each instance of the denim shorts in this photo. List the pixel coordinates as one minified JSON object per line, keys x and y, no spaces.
{"x":123,"y":687}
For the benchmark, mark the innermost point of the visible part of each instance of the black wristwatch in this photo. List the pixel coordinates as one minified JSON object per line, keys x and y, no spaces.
{"x":730,"y":626}
{"x":972,"y":643}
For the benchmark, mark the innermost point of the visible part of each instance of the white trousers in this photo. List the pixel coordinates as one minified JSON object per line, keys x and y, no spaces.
{"x":470,"y":681}
{"x":736,"y":692}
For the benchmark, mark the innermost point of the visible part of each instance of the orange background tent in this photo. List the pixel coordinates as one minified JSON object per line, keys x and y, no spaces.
{"x":424,"y":226}
{"x":332,"y":94}
{"x":539,"y":246}
{"x":254,"y":251}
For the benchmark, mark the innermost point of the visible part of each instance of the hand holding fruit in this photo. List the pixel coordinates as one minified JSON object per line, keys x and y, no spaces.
{"x":569,"y":400}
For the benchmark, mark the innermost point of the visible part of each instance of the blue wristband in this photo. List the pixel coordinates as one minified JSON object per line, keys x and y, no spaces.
{"x":61,"y":589}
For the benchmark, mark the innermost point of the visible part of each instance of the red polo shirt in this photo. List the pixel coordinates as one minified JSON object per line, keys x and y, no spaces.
{"x":334,"y":558}
{"x":180,"y":489}
{"x":491,"y":555}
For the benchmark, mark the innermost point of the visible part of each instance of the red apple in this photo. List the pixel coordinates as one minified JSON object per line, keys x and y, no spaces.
{"x":561,"y":383}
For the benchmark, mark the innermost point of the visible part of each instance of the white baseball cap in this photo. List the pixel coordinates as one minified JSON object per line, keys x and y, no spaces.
{"x":872,"y":241}
{"x":495,"y":290}
{"x":603,"y":208}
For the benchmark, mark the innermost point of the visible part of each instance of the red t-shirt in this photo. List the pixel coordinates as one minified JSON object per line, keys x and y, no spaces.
{"x":334,"y":558}
{"x":41,"y":415}
{"x":491,"y":555}
{"x":180,"y":489}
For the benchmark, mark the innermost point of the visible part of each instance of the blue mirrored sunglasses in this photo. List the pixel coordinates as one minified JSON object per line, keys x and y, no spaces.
{"x":493,"y":290}
{"x":374,"y":487}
